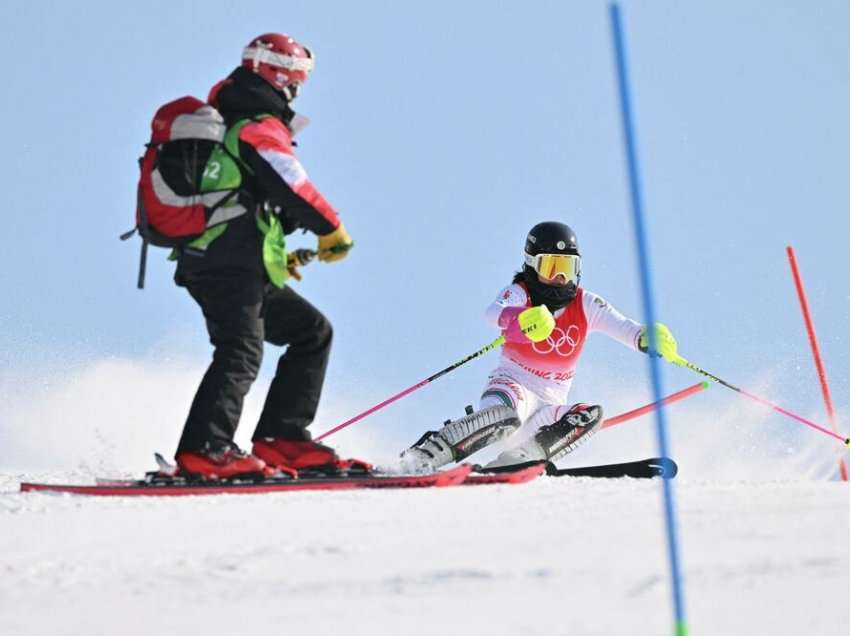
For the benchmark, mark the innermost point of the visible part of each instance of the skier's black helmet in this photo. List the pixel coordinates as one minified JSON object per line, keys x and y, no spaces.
{"x":551,"y":246}
{"x":551,"y":237}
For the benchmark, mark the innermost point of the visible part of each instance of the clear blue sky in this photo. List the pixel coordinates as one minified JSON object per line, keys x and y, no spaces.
{"x":442,"y":131}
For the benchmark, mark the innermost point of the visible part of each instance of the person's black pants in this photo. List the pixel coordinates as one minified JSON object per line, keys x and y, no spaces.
{"x":241,"y":312}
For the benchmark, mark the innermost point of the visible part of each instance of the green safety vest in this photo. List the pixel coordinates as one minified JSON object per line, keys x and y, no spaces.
{"x":223,"y":172}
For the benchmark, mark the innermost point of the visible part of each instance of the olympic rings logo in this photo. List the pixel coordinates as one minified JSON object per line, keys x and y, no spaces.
{"x":563,"y":343}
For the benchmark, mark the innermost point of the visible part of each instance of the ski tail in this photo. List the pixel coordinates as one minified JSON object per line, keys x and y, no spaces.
{"x":641,"y":469}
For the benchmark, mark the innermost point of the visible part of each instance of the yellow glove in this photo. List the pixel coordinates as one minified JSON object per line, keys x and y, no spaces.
{"x":536,"y":323}
{"x":665,"y":344}
{"x":334,"y":246}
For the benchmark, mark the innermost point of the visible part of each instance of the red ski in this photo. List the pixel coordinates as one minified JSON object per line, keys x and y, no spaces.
{"x":173,"y":487}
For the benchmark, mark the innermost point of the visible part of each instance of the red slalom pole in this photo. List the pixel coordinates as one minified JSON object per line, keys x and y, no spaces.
{"x":813,"y":341}
{"x":673,"y":397}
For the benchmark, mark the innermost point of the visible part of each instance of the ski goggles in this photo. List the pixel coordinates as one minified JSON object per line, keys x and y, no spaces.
{"x":550,"y":266}
{"x":259,"y":55}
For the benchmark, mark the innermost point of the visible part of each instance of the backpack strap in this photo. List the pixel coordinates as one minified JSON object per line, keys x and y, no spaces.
{"x":143,"y":264}
{"x":231,"y":140}
{"x":223,"y":201}
{"x":143,"y":256}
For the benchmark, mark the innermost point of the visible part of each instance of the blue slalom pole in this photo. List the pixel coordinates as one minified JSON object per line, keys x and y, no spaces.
{"x":648,"y":303}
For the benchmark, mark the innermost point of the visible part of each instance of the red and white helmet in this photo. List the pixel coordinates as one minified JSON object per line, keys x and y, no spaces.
{"x":280,"y":60}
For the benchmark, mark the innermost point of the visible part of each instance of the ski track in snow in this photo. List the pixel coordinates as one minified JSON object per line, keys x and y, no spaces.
{"x":557,"y":556}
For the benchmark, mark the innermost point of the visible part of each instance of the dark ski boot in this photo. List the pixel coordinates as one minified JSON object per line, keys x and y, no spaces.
{"x":552,"y":442}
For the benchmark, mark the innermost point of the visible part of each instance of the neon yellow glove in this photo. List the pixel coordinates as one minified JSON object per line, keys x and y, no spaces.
{"x":665,"y":344}
{"x":536,"y":323}
{"x":335,"y":246}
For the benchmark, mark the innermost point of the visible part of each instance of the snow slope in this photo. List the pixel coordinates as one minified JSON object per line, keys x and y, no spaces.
{"x":762,"y":530}
{"x":551,"y":557}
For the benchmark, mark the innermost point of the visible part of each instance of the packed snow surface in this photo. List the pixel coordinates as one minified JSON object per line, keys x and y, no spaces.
{"x":763,"y":529}
{"x":556,"y":556}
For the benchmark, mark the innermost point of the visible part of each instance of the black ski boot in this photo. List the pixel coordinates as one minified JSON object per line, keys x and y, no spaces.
{"x":552,"y":442}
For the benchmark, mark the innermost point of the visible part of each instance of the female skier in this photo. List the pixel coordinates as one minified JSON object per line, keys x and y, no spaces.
{"x":545,"y":318}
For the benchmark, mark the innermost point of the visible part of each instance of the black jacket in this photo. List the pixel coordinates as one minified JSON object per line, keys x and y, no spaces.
{"x":245,"y":95}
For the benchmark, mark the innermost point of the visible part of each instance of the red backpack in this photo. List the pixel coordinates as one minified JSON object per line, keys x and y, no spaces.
{"x":188,"y":174}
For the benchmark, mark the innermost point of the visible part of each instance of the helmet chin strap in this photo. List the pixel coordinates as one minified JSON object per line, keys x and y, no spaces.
{"x":290,"y":92}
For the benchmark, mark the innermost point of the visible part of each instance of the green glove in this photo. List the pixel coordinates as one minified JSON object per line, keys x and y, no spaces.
{"x":536,"y":323}
{"x":665,"y":344}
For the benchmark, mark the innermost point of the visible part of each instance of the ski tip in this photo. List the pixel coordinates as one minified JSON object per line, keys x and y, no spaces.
{"x":667,"y":468}
{"x":165,"y":467}
{"x":458,"y":474}
{"x":705,"y":384}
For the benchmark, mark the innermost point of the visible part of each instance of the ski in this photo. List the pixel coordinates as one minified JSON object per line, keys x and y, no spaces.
{"x":518,"y":475}
{"x":157,"y":484}
{"x":641,"y":469}
{"x":163,"y":484}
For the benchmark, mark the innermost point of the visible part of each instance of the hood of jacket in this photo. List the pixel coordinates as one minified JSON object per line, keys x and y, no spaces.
{"x":245,"y":94}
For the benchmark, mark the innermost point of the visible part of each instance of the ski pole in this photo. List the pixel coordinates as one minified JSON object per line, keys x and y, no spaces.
{"x":670,"y":399}
{"x":304,"y":255}
{"x":684,"y":363}
{"x":813,"y":342}
{"x":498,"y":342}
{"x":299,"y":258}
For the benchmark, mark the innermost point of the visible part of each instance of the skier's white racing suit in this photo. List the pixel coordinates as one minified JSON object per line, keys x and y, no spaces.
{"x":535,"y":378}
